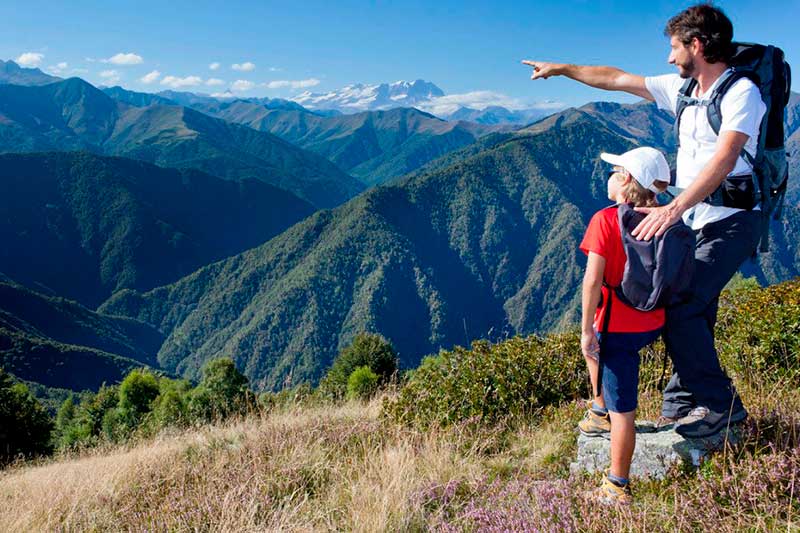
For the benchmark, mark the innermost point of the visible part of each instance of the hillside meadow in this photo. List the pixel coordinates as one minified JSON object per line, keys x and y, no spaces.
{"x":426,"y":454}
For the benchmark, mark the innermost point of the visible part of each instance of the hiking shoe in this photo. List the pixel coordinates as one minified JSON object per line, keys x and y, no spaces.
{"x":668,"y":422}
{"x":609,"y":493}
{"x":710,"y":423}
{"x":665,"y":422}
{"x":594,"y":424}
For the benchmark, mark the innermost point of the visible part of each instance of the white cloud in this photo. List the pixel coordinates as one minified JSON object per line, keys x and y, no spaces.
{"x":242,"y":85}
{"x":445,"y":105}
{"x":110,"y":77}
{"x":30,"y":59}
{"x":214,"y":81}
{"x":275,"y":69}
{"x":293,"y":84}
{"x":58,"y":69}
{"x":244,"y":67}
{"x":178,"y":83}
{"x":226,"y":94}
{"x":124,"y":59}
{"x":150,"y":77}
{"x":80,"y":71}
{"x":214,"y":66}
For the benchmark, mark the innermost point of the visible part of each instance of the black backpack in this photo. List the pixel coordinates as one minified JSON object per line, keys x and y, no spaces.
{"x":658,"y":273}
{"x":766,"y":67}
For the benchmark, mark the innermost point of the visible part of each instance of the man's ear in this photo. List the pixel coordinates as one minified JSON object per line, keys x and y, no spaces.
{"x":696,"y":46}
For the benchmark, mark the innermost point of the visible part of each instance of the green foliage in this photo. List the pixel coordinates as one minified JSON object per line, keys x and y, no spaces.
{"x":367,"y":349}
{"x":24,"y":424}
{"x":362,"y":383}
{"x":137,"y":392}
{"x":301,"y":394}
{"x":171,"y":407}
{"x":758,"y":331}
{"x":221,"y":393}
{"x":492,"y":382}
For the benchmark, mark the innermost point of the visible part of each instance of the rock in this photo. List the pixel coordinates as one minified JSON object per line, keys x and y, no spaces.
{"x":656,"y":450}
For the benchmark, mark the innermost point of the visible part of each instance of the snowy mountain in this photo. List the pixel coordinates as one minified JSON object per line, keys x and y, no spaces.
{"x":360,"y":97}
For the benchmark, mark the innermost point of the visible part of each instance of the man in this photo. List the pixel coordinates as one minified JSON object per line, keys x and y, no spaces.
{"x":700,"y":397}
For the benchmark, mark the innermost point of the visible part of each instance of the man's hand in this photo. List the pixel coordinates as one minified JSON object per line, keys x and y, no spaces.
{"x":542,"y":69}
{"x":589,"y":345}
{"x":657,"y":221}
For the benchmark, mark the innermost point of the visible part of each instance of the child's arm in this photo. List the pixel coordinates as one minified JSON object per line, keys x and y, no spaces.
{"x":592,"y":285}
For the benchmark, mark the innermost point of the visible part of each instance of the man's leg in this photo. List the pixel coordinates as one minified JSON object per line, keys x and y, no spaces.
{"x":689,"y":332}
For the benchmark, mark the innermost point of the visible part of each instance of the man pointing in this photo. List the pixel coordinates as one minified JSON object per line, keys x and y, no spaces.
{"x":700,"y":397}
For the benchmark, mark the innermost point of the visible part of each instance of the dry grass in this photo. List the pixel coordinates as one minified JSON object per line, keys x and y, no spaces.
{"x":343,"y":468}
{"x":326,"y":468}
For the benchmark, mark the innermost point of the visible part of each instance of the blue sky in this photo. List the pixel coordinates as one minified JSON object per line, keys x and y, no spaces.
{"x":462,"y":47}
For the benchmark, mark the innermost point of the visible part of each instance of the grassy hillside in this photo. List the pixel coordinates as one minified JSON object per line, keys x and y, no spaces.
{"x":74,"y":115}
{"x":83,"y":226}
{"x":58,"y":343}
{"x":350,"y":467}
{"x":485,"y":246}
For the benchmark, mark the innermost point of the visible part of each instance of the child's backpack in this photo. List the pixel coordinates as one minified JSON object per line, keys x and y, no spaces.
{"x":657,"y":273}
{"x":766,"y":67}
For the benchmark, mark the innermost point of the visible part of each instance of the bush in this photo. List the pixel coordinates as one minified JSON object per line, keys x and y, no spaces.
{"x":758,"y":331}
{"x":367,"y":349}
{"x":24,"y":424}
{"x":362,"y":383}
{"x":222,"y":391}
{"x":490,"y":383}
{"x":171,"y":407}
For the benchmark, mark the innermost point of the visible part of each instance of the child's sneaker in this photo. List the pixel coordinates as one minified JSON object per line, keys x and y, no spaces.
{"x":594,"y":424}
{"x":609,"y":493}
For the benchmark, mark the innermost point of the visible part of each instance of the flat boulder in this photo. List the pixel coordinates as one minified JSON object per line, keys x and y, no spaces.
{"x":657,"y":451}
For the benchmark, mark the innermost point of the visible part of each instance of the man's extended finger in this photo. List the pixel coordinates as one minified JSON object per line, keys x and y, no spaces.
{"x":529,"y":62}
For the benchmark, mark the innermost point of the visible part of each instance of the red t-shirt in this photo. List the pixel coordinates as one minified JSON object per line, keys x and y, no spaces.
{"x":603,"y":238}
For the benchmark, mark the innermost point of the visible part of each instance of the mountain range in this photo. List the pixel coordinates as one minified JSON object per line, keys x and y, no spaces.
{"x":12,"y":73}
{"x":74,"y":115}
{"x":83,"y":226}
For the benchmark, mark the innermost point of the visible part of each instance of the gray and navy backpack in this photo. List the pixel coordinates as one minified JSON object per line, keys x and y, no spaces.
{"x":766,"y":67}
{"x":658,"y":273}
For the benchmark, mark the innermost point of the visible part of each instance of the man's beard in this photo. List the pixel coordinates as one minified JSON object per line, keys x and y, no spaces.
{"x":685,"y":70}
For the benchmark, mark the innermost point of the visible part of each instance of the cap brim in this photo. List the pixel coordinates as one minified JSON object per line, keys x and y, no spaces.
{"x":613,"y":159}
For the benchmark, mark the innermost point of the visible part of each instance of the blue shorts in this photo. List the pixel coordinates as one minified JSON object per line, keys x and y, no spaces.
{"x":620,"y":354}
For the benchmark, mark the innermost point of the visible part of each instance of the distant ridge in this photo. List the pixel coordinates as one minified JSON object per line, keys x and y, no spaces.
{"x":12,"y":73}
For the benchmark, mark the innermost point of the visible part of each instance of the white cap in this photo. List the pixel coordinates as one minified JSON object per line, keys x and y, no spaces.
{"x":645,"y":164}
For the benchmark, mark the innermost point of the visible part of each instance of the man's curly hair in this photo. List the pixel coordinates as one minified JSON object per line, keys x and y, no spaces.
{"x":709,"y":25}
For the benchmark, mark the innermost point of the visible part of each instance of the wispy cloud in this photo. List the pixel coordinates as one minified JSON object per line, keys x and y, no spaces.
{"x":445,"y":105}
{"x":150,"y":77}
{"x":59,"y":69}
{"x":110,"y":77}
{"x":30,"y":59}
{"x":124,"y":59}
{"x":242,"y":85}
{"x":292,"y":84}
{"x":247,"y":66}
{"x":275,"y":69}
{"x":214,"y":82}
{"x":226,"y":94}
{"x":214,"y":66}
{"x":179,"y":83}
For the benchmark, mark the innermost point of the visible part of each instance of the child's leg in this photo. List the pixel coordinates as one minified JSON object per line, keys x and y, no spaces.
{"x":623,"y":442}
{"x":593,"y":367}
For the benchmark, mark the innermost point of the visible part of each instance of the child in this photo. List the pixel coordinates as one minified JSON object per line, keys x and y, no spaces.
{"x":636,"y":177}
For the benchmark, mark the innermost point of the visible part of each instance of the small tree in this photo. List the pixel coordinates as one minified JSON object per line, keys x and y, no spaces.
{"x":221,"y":393}
{"x":367,"y":349}
{"x":24,"y":424}
{"x":362,"y":383}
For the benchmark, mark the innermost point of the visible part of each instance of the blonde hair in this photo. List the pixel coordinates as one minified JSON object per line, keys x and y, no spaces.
{"x":639,"y":196}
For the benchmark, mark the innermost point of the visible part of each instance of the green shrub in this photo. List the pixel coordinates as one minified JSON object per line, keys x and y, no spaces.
{"x":301,"y":394}
{"x":171,"y":407}
{"x":490,"y":383}
{"x":367,"y":349}
{"x":758,"y":331}
{"x":362,"y":383}
{"x":24,"y":424}
{"x":222,"y":391}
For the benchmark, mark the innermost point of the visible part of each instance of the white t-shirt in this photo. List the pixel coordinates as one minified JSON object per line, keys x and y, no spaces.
{"x":742,"y":110}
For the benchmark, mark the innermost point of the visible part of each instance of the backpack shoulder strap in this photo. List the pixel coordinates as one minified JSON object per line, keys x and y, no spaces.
{"x":714,"y":110}
{"x":684,"y":100}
